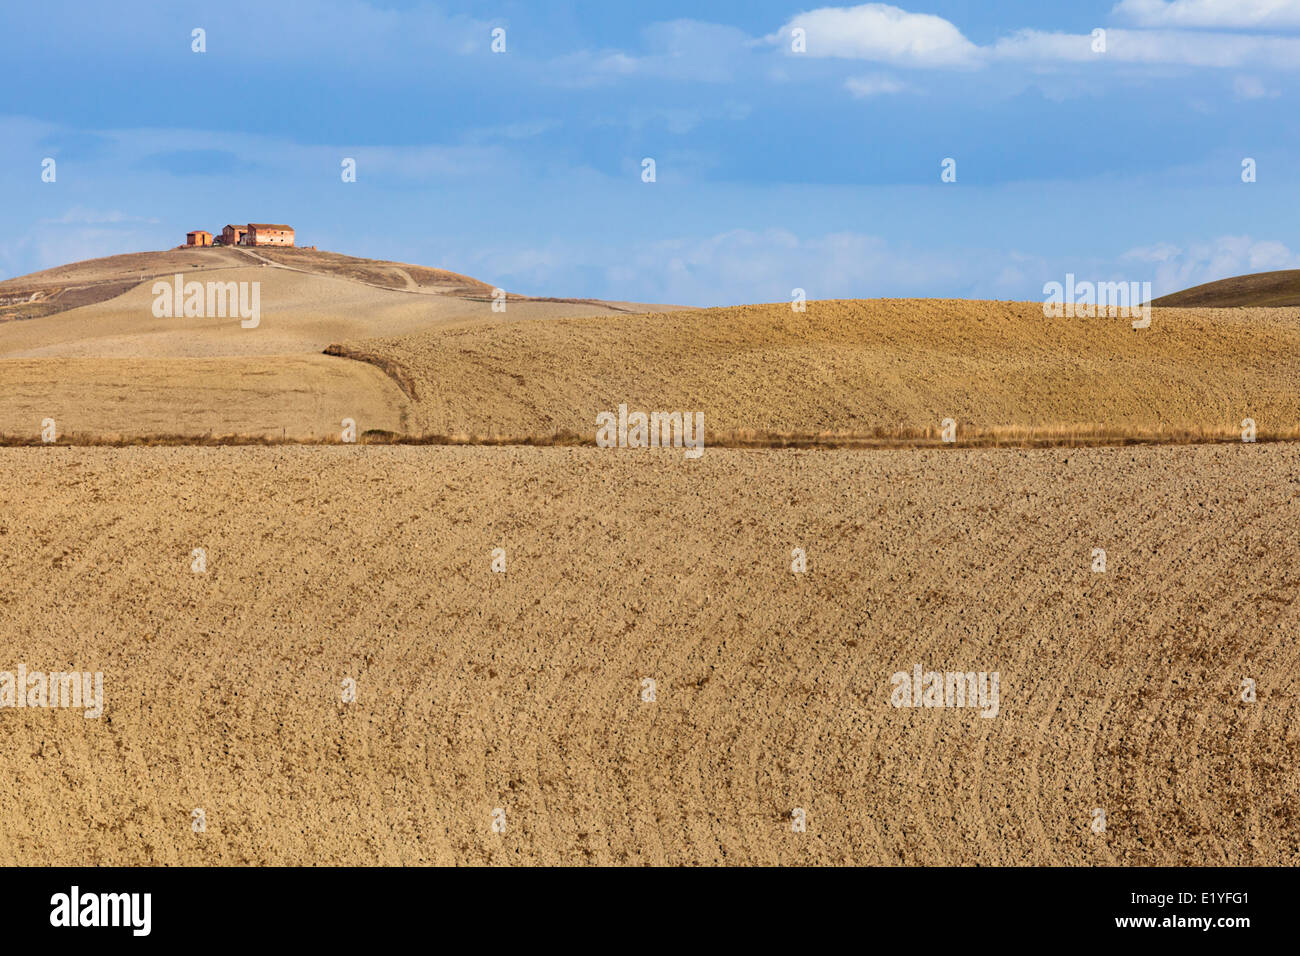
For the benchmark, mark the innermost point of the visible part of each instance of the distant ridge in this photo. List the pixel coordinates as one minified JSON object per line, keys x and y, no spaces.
{"x":92,"y":281}
{"x":1261,"y":289}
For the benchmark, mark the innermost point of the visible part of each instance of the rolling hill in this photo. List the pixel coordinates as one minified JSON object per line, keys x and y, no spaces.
{"x":81,"y":343}
{"x":420,"y":354}
{"x":869,"y":370}
{"x":1260,"y":290}
{"x":519,"y":690}
{"x":63,"y":288}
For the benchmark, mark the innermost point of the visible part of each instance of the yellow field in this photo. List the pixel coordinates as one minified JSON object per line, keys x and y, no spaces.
{"x":292,"y":397}
{"x":523,"y":691}
{"x":112,"y":369}
{"x":1159,"y":689}
{"x":877,"y":369}
{"x":843,"y":372}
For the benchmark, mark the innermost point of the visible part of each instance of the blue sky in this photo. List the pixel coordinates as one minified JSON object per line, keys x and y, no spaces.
{"x":775,"y":169}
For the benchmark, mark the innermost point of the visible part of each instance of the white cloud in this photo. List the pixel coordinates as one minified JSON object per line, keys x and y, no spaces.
{"x":1253,"y":88}
{"x":1210,"y":13}
{"x":82,"y":216}
{"x":1155,"y":47}
{"x":888,"y":34}
{"x":511,"y":131}
{"x":878,"y":31}
{"x":1160,"y":252}
{"x":1177,"y":268}
{"x":1039,"y":45}
{"x":45,"y":245}
{"x":873,"y":85}
{"x":689,"y":50}
{"x":413,"y":162}
{"x":765,"y":265}
{"x":744,"y":265}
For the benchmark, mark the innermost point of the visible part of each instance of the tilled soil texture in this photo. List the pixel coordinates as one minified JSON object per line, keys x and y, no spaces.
{"x":878,"y":368}
{"x":523,"y":692}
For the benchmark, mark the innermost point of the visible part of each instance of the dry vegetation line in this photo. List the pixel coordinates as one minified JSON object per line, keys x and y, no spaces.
{"x":389,"y":367}
{"x":522,"y":691}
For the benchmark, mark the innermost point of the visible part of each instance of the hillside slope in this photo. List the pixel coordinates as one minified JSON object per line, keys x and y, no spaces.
{"x":867,"y":368}
{"x":300,"y":312}
{"x":1260,"y":290}
{"x":299,"y":397}
{"x":83,"y":346}
{"x":66,"y":287}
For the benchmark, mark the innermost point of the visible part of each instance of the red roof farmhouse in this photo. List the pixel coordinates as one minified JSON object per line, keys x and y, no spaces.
{"x":233,"y":235}
{"x":252,"y":234}
{"x":269,"y":234}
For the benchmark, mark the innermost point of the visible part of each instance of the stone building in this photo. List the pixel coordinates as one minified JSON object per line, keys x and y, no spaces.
{"x":269,"y":234}
{"x":234,"y":235}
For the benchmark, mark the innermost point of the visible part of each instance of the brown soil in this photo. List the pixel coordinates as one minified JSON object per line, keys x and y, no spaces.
{"x":109,"y":369}
{"x":521,"y":691}
{"x":867,"y":369}
{"x":1263,"y":289}
{"x":392,"y":275}
{"x":265,"y":397}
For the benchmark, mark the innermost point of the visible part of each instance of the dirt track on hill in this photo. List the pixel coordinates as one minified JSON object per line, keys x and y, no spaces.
{"x":112,"y":368}
{"x":521,"y":691}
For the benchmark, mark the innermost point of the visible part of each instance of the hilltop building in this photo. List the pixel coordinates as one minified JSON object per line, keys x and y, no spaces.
{"x":253,"y":234}
{"x":233,"y":235}
{"x":269,"y":234}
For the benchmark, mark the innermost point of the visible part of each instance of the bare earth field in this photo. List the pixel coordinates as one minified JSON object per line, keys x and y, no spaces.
{"x":850,"y":372}
{"x":90,"y":353}
{"x":521,"y":691}
{"x":879,"y":368}
{"x":517,"y":697}
{"x":296,"y":397}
